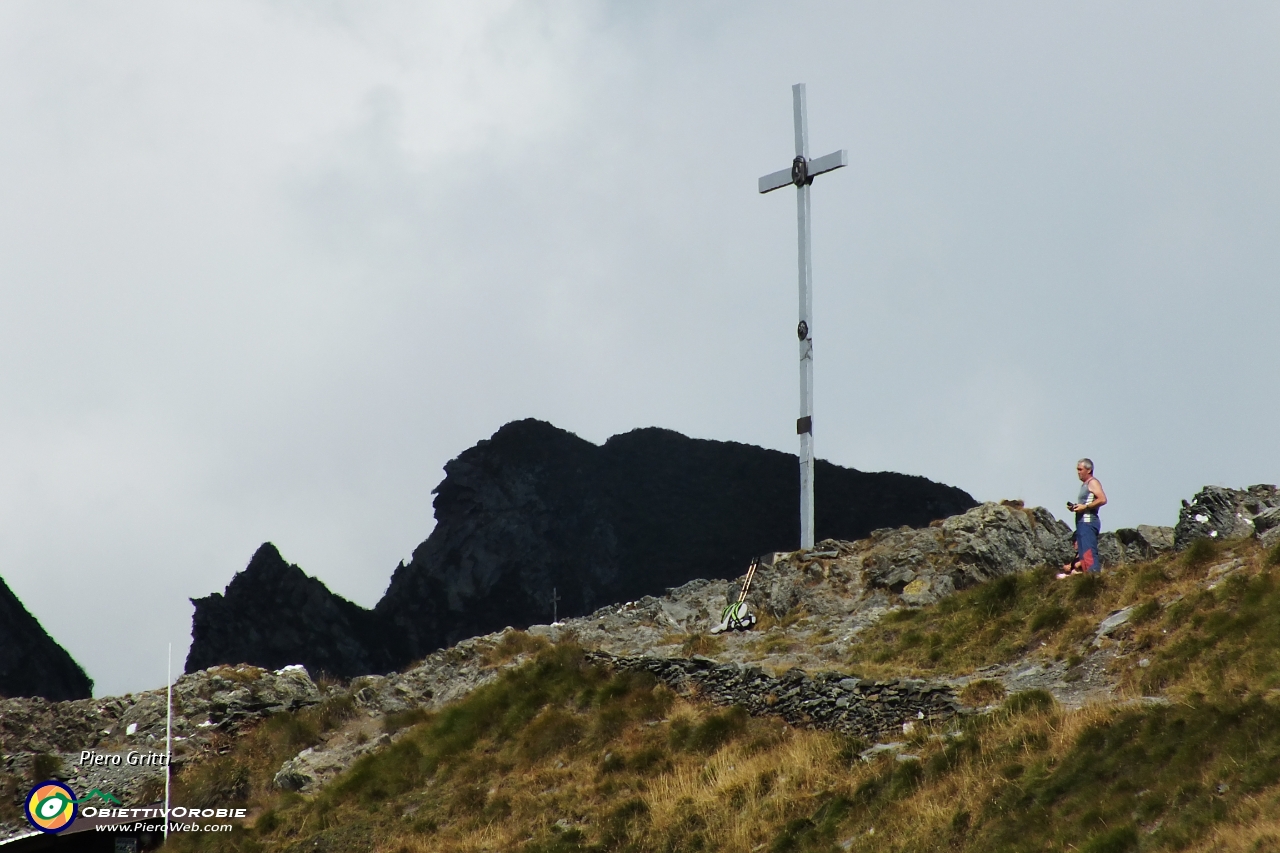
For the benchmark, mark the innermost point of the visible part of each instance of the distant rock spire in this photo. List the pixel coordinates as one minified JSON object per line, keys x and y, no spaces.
{"x":273,"y":614}
{"x":31,"y":662}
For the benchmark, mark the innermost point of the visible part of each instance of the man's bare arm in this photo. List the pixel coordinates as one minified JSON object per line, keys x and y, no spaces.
{"x":1099,"y":496}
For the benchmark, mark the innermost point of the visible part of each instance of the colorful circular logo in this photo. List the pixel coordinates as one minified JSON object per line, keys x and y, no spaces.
{"x":51,"y":806}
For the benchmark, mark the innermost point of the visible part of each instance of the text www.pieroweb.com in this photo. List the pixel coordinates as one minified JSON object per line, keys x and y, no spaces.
{"x":143,"y":826}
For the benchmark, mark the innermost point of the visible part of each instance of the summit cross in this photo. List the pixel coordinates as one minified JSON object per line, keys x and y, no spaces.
{"x":801,"y":175}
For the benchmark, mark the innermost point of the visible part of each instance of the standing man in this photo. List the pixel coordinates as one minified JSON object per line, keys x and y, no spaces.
{"x":1088,"y":526}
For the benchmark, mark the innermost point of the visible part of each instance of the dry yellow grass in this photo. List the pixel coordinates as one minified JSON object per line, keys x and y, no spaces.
{"x":658,"y":777}
{"x":739,"y":796}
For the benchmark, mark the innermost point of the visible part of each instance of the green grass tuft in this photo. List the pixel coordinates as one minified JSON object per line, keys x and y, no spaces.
{"x":44,"y":766}
{"x":1199,"y":552}
{"x":998,"y":596}
{"x":1029,"y":700}
{"x":1050,"y":617}
{"x":1119,"y":840}
{"x":703,"y":645}
{"x":1087,"y":586}
{"x":984,"y":691}
{"x":397,"y":720}
{"x":711,"y":733}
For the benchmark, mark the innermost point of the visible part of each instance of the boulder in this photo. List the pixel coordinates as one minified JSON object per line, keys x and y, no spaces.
{"x":1266,"y":525}
{"x":1220,"y":513}
{"x":777,"y":589}
{"x":1134,"y":544}
{"x":989,"y":541}
{"x":920,"y":565}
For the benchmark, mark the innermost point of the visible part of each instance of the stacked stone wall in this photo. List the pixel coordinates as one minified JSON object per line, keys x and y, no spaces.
{"x":824,"y":700}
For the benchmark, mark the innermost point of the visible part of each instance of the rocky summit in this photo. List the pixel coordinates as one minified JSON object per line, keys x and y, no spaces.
{"x":536,"y":512}
{"x":536,"y":509}
{"x":31,"y":662}
{"x":917,"y":663}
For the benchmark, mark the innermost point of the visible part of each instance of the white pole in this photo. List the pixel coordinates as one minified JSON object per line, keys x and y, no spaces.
{"x":801,"y":174}
{"x":804,"y":330}
{"x":168,"y":736}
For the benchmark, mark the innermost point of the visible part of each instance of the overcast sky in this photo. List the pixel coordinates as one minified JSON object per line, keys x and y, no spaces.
{"x":266,"y":266}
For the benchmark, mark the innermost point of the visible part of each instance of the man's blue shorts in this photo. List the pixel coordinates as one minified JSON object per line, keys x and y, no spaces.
{"x":1087,"y":542}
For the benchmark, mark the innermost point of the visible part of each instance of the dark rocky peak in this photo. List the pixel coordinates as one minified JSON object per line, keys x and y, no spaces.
{"x":518,"y":516}
{"x":31,"y":662}
{"x":273,"y":614}
{"x":268,"y":572}
{"x":536,"y":509}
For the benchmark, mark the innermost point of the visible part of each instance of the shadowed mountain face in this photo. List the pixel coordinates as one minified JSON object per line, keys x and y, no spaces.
{"x":273,"y":615}
{"x":536,"y":509}
{"x":31,"y":663}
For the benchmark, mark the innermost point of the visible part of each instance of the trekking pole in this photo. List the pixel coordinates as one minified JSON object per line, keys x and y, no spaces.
{"x":751,"y":574}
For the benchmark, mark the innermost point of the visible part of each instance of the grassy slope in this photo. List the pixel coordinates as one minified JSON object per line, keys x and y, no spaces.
{"x":559,"y":756}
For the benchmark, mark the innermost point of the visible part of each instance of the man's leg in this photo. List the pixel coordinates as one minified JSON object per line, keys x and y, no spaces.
{"x":1087,"y":538}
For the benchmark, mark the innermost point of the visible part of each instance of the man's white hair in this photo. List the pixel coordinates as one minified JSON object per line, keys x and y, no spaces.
{"x":1086,"y":462}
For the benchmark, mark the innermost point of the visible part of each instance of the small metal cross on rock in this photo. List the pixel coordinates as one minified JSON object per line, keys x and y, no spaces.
{"x":801,"y":174}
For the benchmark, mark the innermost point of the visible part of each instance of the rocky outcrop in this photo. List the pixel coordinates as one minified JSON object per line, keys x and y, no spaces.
{"x":825,"y":700}
{"x":536,"y":509}
{"x":1134,"y":544}
{"x":1220,"y":513}
{"x":220,"y":699}
{"x":207,"y":705}
{"x":273,"y":615}
{"x":922,"y":565}
{"x":31,"y":662}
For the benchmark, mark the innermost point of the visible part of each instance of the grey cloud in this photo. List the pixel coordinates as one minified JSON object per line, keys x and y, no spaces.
{"x":264,"y":268}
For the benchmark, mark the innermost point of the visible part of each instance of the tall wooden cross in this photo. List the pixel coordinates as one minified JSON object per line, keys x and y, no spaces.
{"x":801,"y":174}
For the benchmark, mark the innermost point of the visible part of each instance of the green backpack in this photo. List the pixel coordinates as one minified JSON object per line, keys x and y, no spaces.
{"x":737,"y":617}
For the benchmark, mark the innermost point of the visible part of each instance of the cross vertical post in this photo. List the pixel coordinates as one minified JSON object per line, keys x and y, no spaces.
{"x":801,"y":174}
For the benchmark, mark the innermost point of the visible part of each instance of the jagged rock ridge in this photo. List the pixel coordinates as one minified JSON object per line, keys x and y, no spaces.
{"x":273,"y":615}
{"x":31,"y":662}
{"x":535,"y":509}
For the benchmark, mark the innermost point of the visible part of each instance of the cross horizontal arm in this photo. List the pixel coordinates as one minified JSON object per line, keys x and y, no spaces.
{"x":786,"y":177}
{"x":832,"y":161}
{"x":775,"y":181}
